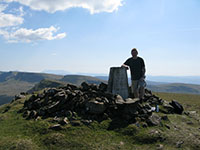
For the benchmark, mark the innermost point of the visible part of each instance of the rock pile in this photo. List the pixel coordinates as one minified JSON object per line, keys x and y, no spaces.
{"x":19,"y":96}
{"x":92,"y":102}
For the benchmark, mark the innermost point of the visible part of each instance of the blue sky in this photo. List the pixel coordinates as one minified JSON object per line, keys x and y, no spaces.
{"x":87,"y":36}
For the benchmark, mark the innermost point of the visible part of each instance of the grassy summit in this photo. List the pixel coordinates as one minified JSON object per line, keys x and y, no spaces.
{"x":178,"y":131}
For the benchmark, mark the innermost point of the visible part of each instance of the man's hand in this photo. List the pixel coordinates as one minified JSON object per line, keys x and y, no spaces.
{"x":125,"y":66}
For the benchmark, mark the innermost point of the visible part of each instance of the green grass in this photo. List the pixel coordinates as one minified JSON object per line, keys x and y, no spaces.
{"x":189,"y":101}
{"x":20,"y":134}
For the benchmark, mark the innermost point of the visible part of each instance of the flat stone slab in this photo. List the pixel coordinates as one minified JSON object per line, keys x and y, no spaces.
{"x":128,"y":101}
{"x":131,"y":100}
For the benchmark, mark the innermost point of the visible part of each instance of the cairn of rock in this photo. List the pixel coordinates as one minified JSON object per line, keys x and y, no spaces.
{"x":91,"y":102}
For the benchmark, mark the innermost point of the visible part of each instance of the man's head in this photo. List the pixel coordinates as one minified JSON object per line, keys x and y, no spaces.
{"x":134,"y":52}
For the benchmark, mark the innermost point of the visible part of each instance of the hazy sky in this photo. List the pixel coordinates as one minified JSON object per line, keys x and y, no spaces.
{"x":90,"y":36}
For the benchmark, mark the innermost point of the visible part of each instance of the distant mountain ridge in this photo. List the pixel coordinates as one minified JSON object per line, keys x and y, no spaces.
{"x":148,"y":82}
{"x":176,"y":88}
{"x":168,"y":87}
{"x":26,"y":76}
{"x":78,"y":79}
{"x":46,"y":83}
{"x":163,"y":79}
{"x":13,"y":82}
{"x":175,"y":79}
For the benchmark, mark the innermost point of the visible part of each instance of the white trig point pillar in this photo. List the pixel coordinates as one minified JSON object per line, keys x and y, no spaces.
{"x":118,"y":81}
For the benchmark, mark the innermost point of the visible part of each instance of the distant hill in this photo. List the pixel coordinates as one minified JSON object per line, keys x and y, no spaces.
{"x":167,"y":79}
{"x":27,"y":76}
{"x":176,"y":88}
{"x":46,"y":83}
{"x":102,"y":77}
{"x":168,"y":87}
{"x":78,"y":79}
{"x":148,"y":82}
{"x":175,"y":79}
{"x":12,"y":83}
{"x":57,"y":72}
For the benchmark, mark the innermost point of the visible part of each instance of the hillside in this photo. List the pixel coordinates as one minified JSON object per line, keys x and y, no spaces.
{"x":176,"y":88}
{"x":46,"y":83}
{"x":19,"y":132}
{"x":168,"y":87}
{"x":12,"y":83}
{"x":12,"y":87}
{"x":78,"y":79}
{"x":27,"y":76}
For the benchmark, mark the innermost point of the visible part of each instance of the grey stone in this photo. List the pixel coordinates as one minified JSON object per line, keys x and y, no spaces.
{"x":131,"y":107}
{"x":64,"y":121}
{"x":86,"y":122}
{"x":26,"y":113}
{"x":167,"y":126}
{"x":72,"y":87}
{"x":41,"y":112}
{"x":60,"y":94}
{"x":94,"y":87}
{"x":51,"y":91}
{"x":95,"y":107}
{"x":68,"y":114}
{"x":130,"y":101}
{"x":178,"y":108}
{"x":75,"y":123}
{"x":19,"y":96}
{"x":32,"y":98}
{"x":56,"y":127}
{"x":52,"y":108}
{"x":154,"y":120}
{"x":168,"y":109}
{"x":119,"y":100}
{"x":85,"y":86}
{"x":32,"y":115}
{"x":105,"y":100}
{"x":165,"y":118}
{"x":103,"y":87}
{"x":68,"y":92}
{"x":159,"y":147}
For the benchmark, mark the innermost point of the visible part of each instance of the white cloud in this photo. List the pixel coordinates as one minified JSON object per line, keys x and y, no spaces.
{"x":7,"y":20}
{"x":11,"y":20}
{"x":94,"y":6}
{"x":29,"y":35}
{"x":11,"y":31}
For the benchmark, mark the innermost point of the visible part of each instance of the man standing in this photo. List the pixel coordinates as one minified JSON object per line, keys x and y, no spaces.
{"x":137,"y":68}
